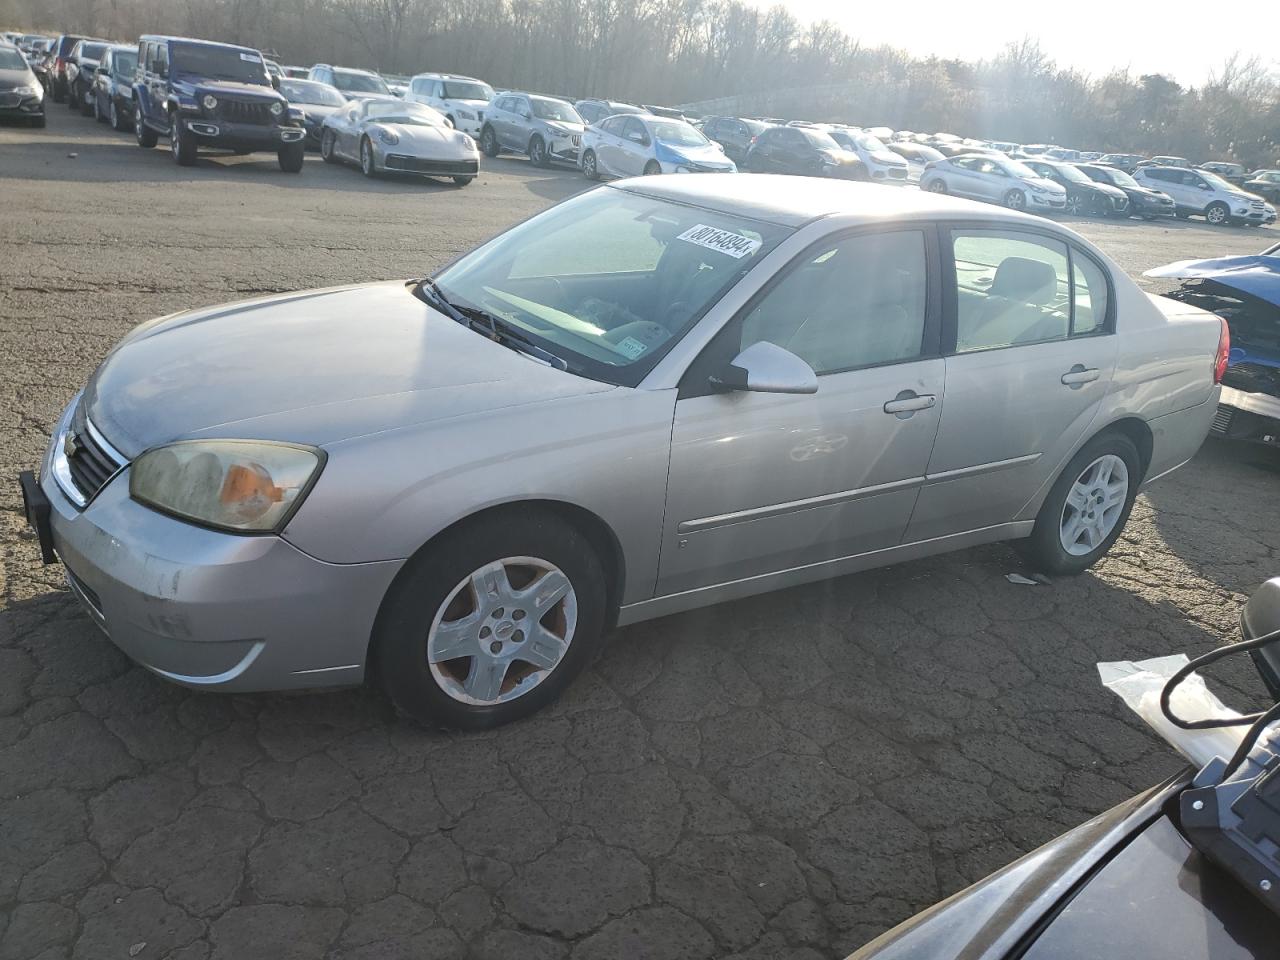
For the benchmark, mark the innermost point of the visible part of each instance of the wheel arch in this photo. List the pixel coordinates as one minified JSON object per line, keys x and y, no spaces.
{"x":1135,"y":429}
{"x":604,"y":541}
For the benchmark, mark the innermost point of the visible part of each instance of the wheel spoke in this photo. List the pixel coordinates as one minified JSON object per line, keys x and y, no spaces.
{"x":543,"y":649}
{"x":491,"y":585}
{"x":1071,"y":529}
{"x":1078,"y":498}
{"x":545,"y":592}
{"x":454,"y":639}
{"x":484,"y":681}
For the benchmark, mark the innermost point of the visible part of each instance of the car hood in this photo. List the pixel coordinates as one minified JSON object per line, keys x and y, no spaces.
{"x":317,"y":110}
{"x":195,"y":87}
{"x":1257,"y":275}
{"x":708,"y":153}
{"x":1049,"y":185}
{"x":1108,"y":190}
{"x":313,"y":367}
{"x":15,"y":78}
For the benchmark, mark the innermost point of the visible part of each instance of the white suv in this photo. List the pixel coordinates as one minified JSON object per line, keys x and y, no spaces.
{"x":462,"y":100}
{"x":1205,"y":194}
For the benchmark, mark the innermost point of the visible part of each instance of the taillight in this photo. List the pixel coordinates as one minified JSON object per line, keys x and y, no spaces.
{"x":1224,"y":352}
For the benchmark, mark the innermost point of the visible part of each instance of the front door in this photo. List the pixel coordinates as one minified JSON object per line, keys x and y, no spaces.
{"x":764,"y":482}
{"x":1033,"y":359}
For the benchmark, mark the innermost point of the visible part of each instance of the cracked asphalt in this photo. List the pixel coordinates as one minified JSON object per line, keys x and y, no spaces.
{"x":785,"y":776}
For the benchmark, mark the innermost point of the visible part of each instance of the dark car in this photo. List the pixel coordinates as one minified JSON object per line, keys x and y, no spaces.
{"x":1186,"y":871}
{"x":804,"y":151}
{"x":1143,"y":201}
{"x":1245,"y":292}
{"x":593,"y":111}
{"x":202,"y":94}
{"x":1265,"y":183}
{"x":82,"y":65}
{"x":21,"y":95}
{"x":113,"y":87}
{"x":735,"y":134}
{"x":1230,"y":172}
{"x":1085,"y":196}
{"x":57,"y":60}
{"x":1128,"y":162}
{"x":316,"y":101}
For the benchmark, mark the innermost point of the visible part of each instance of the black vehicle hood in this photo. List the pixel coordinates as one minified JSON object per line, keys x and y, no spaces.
{"x":14,"y":78}
{"x":989,"y":920}
{"x":1143,"y":192}
{"x":195,"y":87}
{"x":316,"y":109}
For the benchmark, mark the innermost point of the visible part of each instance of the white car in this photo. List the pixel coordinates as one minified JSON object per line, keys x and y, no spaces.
{"x":883,"y":165}
{"x":395,"y":136}
{"x":1205,"y":194}
{"x":629,"y":145}
{"x":462,"y":100}
{"x":996,"y":180}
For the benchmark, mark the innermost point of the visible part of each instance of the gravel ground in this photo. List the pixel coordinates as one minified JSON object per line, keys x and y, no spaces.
{"x":780,"y":777}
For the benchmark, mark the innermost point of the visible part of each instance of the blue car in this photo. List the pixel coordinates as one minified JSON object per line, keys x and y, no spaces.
{"x":632,"y":145}
{"x":202,"y":94}
{"x":1244,"y":291}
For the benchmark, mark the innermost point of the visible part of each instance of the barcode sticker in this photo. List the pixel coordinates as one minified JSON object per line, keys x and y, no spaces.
{"x":724,"y":241}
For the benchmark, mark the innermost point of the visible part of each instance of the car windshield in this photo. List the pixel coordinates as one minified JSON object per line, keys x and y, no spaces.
{"x":221,"y":63}
{"x":608,"y":280}
{"x":359,"y":82}
{"x":1118,"y":178}
{"x":677,"y":133}
{"x":869,"y":143}
{"x":1016,"y":169}
{"x":545,"y":108}
{"x":11,"y":59}
{"x":818,"y":138}
{"x":400,"y":111}
{"x":92,"y":51}
{"x":1068,"y":172}
{"x":125,"y":61}
{"x":309,"y":91}
{"x":755,"y":127}
{"x":467,"y":90}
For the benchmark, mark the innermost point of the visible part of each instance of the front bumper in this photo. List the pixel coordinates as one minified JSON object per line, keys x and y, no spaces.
{"x":1153,"y":208}
{"x":565,"y":149}
{"x":1045,"y":201}
{"x":210,"y":609}
{"x":213,"y":132}
{"x":13,"y":106}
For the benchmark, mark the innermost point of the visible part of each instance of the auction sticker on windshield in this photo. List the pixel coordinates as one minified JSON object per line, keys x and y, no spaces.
{"x":724,"y":241}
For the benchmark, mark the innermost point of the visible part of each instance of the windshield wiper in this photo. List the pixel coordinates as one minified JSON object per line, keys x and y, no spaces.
{"x":493,"y":327}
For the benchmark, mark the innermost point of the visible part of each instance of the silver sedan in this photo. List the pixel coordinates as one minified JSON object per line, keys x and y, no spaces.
{"x":660,"y":394}
{"x":387,"y":135}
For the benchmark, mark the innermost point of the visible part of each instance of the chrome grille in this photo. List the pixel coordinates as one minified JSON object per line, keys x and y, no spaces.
{"x":90,"y":460}
{"x":253,"y":112}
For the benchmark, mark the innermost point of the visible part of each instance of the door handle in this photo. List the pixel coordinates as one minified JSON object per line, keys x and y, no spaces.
{"x":908,"y":402}
{"x":1079,"y":375}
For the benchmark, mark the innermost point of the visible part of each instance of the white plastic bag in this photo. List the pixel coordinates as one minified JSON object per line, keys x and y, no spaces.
{"x":1139,"y":685}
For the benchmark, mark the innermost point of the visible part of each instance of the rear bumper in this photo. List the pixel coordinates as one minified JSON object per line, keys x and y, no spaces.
{"x":1253,"y":417}
{"x":1176,"y":437}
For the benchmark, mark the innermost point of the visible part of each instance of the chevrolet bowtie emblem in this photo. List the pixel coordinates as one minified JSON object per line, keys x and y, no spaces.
{"x":70,"y":445}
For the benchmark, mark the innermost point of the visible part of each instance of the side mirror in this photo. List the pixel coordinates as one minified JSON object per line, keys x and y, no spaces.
{"x":275,"y":81}
{"x":765,"y":367}
{"x":1261,"y":615}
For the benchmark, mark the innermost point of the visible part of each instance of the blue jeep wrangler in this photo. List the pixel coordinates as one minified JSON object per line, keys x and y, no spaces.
{"x":204,"y":94}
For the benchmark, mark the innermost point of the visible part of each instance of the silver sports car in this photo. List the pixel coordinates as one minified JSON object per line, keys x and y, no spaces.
{"x":659,"y":394}
{"x":394,"y":136}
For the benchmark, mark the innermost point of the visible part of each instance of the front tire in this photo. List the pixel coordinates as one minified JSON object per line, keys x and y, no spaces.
{"x":291,"y":156}
{"x":462,"y":181}
{"x":182,"y":142}
{"x":326,"y":147}
{"x":146,"y":137}
{"x":86,"y":108}
{"x":652,"y":168}
{"x":113,"y":116}
{"x":1218,"y":214}
{"x":1087,"y":508}
{"x":1075,"y":205}
{"x":488,"y":142}
{"x":589,"y":168}
{"x":38,"y":122}
{"x":1015,"y":200}
{"x":937,"y":186}
{"x":73,"y":97}
{"x":368,"y":166}
{"x":538,"y":152}
{"x":98,"y":115}
{"x":492,"y":623}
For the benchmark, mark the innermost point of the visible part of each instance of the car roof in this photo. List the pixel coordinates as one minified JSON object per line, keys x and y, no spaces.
{"x":445,"y":76}
{"x":795,"y":201}
{"x":155,"y":37}
{"x":367,"y":73}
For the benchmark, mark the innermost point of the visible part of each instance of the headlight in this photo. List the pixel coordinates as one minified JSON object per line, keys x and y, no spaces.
{"x":26,"y":91}
{"x":466,"y":141}
{"x":1036,"y":188}
{"x":277,"y":108}
{"x":466,"y":115}
{"x":388,"y":137}
{"x":210,"y":101}
{"x":247,"y":486}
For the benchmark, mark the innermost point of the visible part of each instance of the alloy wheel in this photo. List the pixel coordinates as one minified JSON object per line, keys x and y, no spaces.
{"x":1216,"y":215}
{"x":113,"y":115}
{"x":589,"y":166}
{"x":502,"y":631}
{"x":366,"y":158}
{"x":1015,"y":200}
{"x":1075,"y":205}
{"x":1094,"y":505}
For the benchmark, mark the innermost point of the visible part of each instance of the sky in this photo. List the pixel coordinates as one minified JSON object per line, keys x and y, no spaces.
{"x":1089,"y":35}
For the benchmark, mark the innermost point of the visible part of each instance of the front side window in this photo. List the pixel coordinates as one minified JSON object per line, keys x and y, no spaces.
{"x":124,"y":62}
{"x":545,"y":108}
{"x":610,"y":279}
{"x":1012,"y":288}
{"x":635,"y":132}
{"x":856,"y":302}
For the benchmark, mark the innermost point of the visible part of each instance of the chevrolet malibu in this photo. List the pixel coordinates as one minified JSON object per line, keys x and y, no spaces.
{"x":660,"y":394}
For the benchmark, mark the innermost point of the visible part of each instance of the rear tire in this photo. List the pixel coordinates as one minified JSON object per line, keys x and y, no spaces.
{"x":434,"y":588}
{"x":488,"y":142}
{"x":291,"y":156}
{"x":73,"y":97}
{"x":1069,"y":500}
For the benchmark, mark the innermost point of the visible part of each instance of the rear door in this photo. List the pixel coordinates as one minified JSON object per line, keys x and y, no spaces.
{"x":1031,"y":355}
{"x":761,"y":483}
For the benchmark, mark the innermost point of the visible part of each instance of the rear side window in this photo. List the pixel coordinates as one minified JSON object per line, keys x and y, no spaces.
{"x":1019,"y":288}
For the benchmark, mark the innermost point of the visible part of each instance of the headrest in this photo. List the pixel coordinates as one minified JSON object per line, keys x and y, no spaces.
{"x":1029,"y":281}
